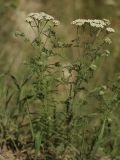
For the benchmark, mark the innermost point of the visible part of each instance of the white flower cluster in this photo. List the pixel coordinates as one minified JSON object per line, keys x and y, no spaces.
{"x":107,"y":22}
{"x":93,"y":23}
{"x":110,"y":30}
{"x":41,"y":17}
{"x":107,"y":52}
{"x":108,"y":40}
{"x":96,"y":23}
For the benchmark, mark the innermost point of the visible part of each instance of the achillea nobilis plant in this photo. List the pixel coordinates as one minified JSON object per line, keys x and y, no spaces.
{"x":61,"y":116}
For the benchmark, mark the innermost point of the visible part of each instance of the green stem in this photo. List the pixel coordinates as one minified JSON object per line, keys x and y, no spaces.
{"x":100,"y":136}
{"x":30,"y":121}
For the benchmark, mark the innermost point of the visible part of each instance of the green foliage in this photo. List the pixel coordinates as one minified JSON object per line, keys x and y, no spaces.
{"x":47,"y":116}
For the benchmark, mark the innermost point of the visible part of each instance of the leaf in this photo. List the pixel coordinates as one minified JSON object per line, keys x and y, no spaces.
{"x":2,"y":75}
{"x":15,"y":82}
{"x":38,"y":140}
{"x":26,"y":80}
{"x":9,"y":97}
{"x":26,"y":98}
{"x":20,"y":34}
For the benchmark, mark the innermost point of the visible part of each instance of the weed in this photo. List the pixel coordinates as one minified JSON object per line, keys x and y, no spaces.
{"x":48,"y":113}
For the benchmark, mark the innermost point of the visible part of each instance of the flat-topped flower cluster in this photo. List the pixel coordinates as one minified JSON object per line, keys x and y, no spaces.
{"x":96,"y":23}
{"x":32,"y":17}
{"x":42,"y":21}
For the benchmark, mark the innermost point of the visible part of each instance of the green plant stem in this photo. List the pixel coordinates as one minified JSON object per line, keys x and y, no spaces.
{"x":30,"y":121}
{"x":99,"y":139}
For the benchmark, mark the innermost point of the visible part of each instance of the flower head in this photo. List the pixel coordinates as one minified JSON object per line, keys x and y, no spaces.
{"x":107,"y":52}
{"x":56,"y":22}
{"x":107,"y":21}
{"x":104,"y":87}
{"x":108,"y":40}
{"x":29,"y":20}
{"x":110,"y":30}
{"x":41,"y":17}
{"x":96,"y":23}
{"x":101,"y":93}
